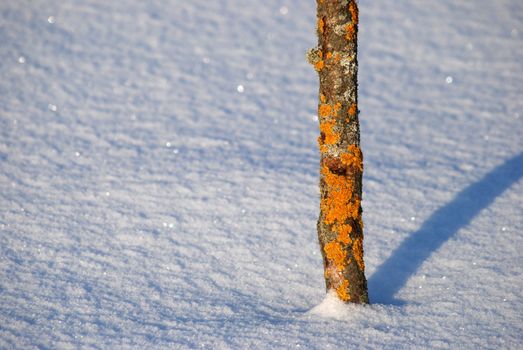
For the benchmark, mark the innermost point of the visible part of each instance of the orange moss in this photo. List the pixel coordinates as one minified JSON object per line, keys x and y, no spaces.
{"x":337,"y":57}
{"x":343,"y":233}
{"x":328,"y":56}
{"x":322,"y":98}
{"x":325,"y":110}
{"x":354,"y":13}
{"x":357,"y":251}
{"x":319,"y":65}
{"x":321,"y":25}
{"x":342,"y":290}
{"x":335,"y":254}
{"x":350,"y":31}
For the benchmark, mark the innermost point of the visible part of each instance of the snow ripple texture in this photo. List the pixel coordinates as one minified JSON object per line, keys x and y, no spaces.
{"x":159,"y":168}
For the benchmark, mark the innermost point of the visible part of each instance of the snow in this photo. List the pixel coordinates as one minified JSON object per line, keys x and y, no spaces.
{"x":147,"y":202}
{"x":333,"y":307}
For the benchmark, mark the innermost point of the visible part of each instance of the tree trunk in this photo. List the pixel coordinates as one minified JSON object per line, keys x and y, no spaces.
{"x":340,"y":226}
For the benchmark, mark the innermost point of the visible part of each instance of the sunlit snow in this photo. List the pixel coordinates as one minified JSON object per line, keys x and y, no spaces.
{"x":159,"y":176}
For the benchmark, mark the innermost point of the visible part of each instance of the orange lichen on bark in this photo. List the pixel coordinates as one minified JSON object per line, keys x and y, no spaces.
{"x":342,"y":290}
{"x":325,"y":110}
{"x":350,"y":31}
{"x":337,"y":107}
{"x":354,"y":209}
{"x":343,"y":233}
{"x":335,"y":205}
{"x":354,"y":13}
{"x":353,"y":110}
{"x":340,"y":229}
{"x":354,"y":157}
{"x":357,"y":251}
{"x":335,"y":254}
{"x":337,"y":57}
{"x":329,"y":136}
{"x":321,"y":25}
{"x":321,"y":145}
{"x":356,"y":150}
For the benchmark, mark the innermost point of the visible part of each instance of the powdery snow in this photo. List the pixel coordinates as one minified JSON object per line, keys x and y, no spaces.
{"x":159,"y":168}
{"x":333,"y":307}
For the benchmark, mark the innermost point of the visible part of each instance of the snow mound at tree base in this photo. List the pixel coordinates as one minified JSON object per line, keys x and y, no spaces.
{"x":333,"y":307}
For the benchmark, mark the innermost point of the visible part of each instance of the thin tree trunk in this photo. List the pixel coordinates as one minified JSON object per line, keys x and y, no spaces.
{"x":340,"y":226}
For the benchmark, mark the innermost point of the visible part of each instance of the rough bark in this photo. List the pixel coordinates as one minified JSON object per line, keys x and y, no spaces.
{"x":340,"y":225}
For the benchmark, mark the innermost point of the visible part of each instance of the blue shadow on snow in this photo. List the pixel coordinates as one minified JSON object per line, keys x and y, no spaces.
{"x":445,"y":222}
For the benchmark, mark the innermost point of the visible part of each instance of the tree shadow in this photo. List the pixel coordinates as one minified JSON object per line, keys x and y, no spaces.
{"x":445,"y":222}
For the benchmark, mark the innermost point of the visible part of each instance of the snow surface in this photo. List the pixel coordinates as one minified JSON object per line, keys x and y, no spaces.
{"x":159,"y":176}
